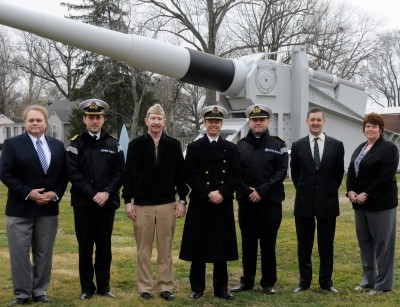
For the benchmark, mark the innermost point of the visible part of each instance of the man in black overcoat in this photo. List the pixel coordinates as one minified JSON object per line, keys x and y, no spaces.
{"x":212,"y":170}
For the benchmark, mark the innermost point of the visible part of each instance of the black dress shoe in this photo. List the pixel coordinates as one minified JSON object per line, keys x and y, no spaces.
{"x":225,"y":295}
{"x":166,"y":295}
{"x":331,"y":289}
{"x":196,"y":295}
{"x":299,"y":289}
{"x":41,"y":299}
{"x":19,"y":301}
{"x":86,"y":296}
{"x":145,"y":295}
{"x":241,"y":287}
{"x":269,"y":290}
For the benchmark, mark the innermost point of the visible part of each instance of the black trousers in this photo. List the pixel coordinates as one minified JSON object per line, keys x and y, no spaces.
{"x":259,"y":225}
{"x":305,"y":230}
{"x":93,"y":226}
{"x":198,"y":277}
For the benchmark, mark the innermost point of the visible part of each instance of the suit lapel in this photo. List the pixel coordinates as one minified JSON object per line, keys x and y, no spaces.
{"x":52,"y":150}
{"x":27,"y":142}
{"x":307,"y":151}
{"x":327,"y":148}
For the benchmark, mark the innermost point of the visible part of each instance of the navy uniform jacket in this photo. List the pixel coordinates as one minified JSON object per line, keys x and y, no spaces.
{"x":209,"y":233}
{"x":264,"y":166}
{"x":317,"y":190}
{"x":22,"y":172}
{"x":376,"y":177}
{"x":95,"y":166}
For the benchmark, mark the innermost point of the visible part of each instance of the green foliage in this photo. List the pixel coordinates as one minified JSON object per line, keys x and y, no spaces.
{"x":65,"y":289}
{"x":75,"y":119}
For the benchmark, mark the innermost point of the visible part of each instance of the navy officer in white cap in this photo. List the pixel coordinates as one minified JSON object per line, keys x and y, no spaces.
{"x":95,"y":164}
{"x":264,"y":166}
{"x":209,"y":236}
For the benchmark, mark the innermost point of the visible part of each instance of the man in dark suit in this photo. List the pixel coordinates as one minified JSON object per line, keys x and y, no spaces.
{"x":317,"y":167}
{"x":33,"y":169}
{"x":212,"y":169}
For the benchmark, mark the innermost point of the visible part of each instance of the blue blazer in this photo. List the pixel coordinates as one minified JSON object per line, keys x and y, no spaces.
{"x":21,"y":172}
{"x":317,"y":190}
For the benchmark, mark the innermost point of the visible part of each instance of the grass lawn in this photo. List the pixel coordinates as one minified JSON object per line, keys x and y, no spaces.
{"x":65,"y":290}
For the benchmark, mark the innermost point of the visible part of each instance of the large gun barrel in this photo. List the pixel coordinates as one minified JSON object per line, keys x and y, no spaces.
{"x":187,"y":65}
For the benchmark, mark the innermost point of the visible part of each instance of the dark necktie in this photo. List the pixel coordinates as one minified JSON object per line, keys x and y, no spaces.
{"x":42,"y":156}
{"x":316,"y":153}
{"x":213,"y":142}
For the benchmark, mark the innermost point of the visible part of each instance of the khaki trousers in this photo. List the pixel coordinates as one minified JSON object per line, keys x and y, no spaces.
{"x":159,"y":221}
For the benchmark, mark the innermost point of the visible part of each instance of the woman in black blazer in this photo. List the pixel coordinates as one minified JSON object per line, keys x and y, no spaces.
{"x":372,"y":189}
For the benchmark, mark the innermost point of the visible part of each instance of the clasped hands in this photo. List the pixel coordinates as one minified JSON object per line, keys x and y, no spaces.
{"x":215,"y":197}
{"x":40,"y":197}
{"x":254,"y":197}
{"x":357,"y":198}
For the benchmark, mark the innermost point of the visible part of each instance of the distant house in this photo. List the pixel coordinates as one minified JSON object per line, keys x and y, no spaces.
{"x":9,"y":128}
{"x":58,"y":123}
{"x":391,"y":117}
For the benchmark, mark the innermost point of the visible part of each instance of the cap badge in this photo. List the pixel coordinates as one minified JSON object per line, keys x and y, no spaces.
{"x":93,"y":106}
{"x":215,"y":110}
{"x":256,"y":110}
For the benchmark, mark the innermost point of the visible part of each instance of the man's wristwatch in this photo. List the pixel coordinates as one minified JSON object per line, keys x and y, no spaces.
{"x":183,"y":202}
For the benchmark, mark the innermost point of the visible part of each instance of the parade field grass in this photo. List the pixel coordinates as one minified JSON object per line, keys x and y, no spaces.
{"x":65,"y":290}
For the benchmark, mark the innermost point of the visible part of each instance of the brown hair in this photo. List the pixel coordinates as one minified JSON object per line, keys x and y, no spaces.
{"x":374,"y":119}
{"x":316,"y":110}
{"x":36,"y":107}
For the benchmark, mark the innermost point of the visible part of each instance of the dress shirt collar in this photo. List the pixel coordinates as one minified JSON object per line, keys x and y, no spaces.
{"x":321,"y":137}
{"x":211,"y":139}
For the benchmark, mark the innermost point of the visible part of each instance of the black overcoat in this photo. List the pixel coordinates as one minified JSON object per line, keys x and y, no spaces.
{"x":209,"y":233}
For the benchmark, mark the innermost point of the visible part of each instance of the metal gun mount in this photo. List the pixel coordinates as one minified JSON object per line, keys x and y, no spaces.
{"x":289,"y":90}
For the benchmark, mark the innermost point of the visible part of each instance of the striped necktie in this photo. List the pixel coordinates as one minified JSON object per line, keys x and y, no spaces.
{"x":42,"y":156}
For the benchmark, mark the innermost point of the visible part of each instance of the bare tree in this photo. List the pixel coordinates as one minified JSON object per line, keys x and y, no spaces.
{"x":53,"y":62}
{"x":339,"y":39}
{"x":9,"y":75}
{"x":383,"y":70}
{"x":267,"y":26}
{"x":192,"y":102}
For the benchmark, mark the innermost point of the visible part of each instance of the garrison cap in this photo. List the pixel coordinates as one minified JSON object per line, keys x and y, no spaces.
{"x":258,"y":111}
{"x":155,"y":109}
{"x":214,"y":112}
{"x":94,"y":106}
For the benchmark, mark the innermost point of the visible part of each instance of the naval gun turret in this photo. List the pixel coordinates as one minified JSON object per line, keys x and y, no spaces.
{"x":289,"y":90}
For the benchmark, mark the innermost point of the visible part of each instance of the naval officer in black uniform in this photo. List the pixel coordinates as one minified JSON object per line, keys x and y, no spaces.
{"x":212,"y":170}
{"x":264,"y":165}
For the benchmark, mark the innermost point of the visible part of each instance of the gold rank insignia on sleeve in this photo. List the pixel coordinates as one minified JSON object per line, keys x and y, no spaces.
{"x":74,"y":137}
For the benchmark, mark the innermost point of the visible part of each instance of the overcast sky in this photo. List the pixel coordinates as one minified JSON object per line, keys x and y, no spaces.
{"x":387,"y":10}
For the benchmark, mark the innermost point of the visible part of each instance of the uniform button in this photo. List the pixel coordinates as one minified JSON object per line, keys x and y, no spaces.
{"x":224,"y":161}
{"x":222,"y":182}
{"x":208,"y":183}
{"x":206,"y":172}
{"x":223,"y":171}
